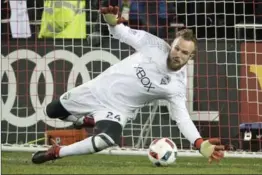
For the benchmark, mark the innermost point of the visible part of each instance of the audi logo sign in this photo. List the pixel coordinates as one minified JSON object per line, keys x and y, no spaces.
{"x":41,"y":62}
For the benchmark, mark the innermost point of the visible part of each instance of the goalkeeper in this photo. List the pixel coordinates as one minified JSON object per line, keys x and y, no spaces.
{"x":156,"y":71}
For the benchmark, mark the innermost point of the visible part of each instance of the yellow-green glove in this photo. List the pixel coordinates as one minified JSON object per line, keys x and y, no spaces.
{"x":210,"y":149}
{"x":111,"y":15}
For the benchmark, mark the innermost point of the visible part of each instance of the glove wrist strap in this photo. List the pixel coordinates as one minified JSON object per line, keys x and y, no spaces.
{"x":198,"y":143}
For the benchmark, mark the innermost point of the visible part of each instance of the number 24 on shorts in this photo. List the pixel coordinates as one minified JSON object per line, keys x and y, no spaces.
{"x":111,"y":116}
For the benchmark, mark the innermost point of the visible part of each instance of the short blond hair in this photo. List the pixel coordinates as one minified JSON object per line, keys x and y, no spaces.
{"x":188,"y":35}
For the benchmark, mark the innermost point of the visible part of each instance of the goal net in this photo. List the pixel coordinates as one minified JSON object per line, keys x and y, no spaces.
{"x":224,"y":80}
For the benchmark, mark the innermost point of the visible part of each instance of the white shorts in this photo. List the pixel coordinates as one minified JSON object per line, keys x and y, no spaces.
{"x":80,"y":101}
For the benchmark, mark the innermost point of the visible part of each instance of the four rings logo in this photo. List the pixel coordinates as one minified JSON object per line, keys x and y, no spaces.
{"x":42,"y":69}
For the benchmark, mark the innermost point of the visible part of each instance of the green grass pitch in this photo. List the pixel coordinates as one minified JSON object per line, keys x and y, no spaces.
{"x":20,"y":163}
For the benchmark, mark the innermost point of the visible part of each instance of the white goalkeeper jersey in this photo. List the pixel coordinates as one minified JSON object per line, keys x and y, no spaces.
{"x":143,"y":77}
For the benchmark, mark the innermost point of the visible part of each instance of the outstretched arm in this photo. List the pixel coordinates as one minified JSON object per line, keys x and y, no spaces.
{"x":208,"y":148}
{"x":138,"y":39}
{"x":180,"y":114}
{"x":135,"y":38}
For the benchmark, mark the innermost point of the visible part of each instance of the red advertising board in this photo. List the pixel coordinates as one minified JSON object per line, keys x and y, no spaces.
{"x":251,"y":82}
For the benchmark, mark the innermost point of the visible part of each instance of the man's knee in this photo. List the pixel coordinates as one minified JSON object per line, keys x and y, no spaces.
{"x":107,"y":134}
{"x":56,"y":110}
{"x":102,"y":141}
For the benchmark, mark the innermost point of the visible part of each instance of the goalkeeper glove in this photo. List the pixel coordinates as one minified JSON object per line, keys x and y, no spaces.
{"x":210,"y":149}
{"x":111,"y":15}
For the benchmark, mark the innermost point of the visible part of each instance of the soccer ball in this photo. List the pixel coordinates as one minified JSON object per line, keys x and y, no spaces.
{"x":162,"y":152}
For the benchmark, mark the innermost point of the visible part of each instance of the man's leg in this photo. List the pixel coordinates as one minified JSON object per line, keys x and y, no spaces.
{"x":56,"y":110}
{"x":107,"y":133}
{"x":73,"y":106}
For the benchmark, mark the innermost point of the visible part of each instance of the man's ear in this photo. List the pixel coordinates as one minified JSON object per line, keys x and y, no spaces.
{"x":192,"y":56}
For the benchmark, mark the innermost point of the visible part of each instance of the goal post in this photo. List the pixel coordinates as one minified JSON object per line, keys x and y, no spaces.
{"x":224,"y":80}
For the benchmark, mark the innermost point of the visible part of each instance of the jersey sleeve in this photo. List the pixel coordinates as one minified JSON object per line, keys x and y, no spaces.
{"x":140,"y":40}
{"x":180,"y":114}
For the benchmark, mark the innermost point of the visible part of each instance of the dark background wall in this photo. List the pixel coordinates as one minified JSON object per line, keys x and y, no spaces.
{"x":208,"y":18}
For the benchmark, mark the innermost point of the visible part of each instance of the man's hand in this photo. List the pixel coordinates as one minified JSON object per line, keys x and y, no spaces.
{"x":111,"y":15}
{"x":210,"y":149}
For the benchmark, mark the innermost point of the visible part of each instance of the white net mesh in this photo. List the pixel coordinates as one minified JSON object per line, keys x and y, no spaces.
{"x":224,"y":81}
